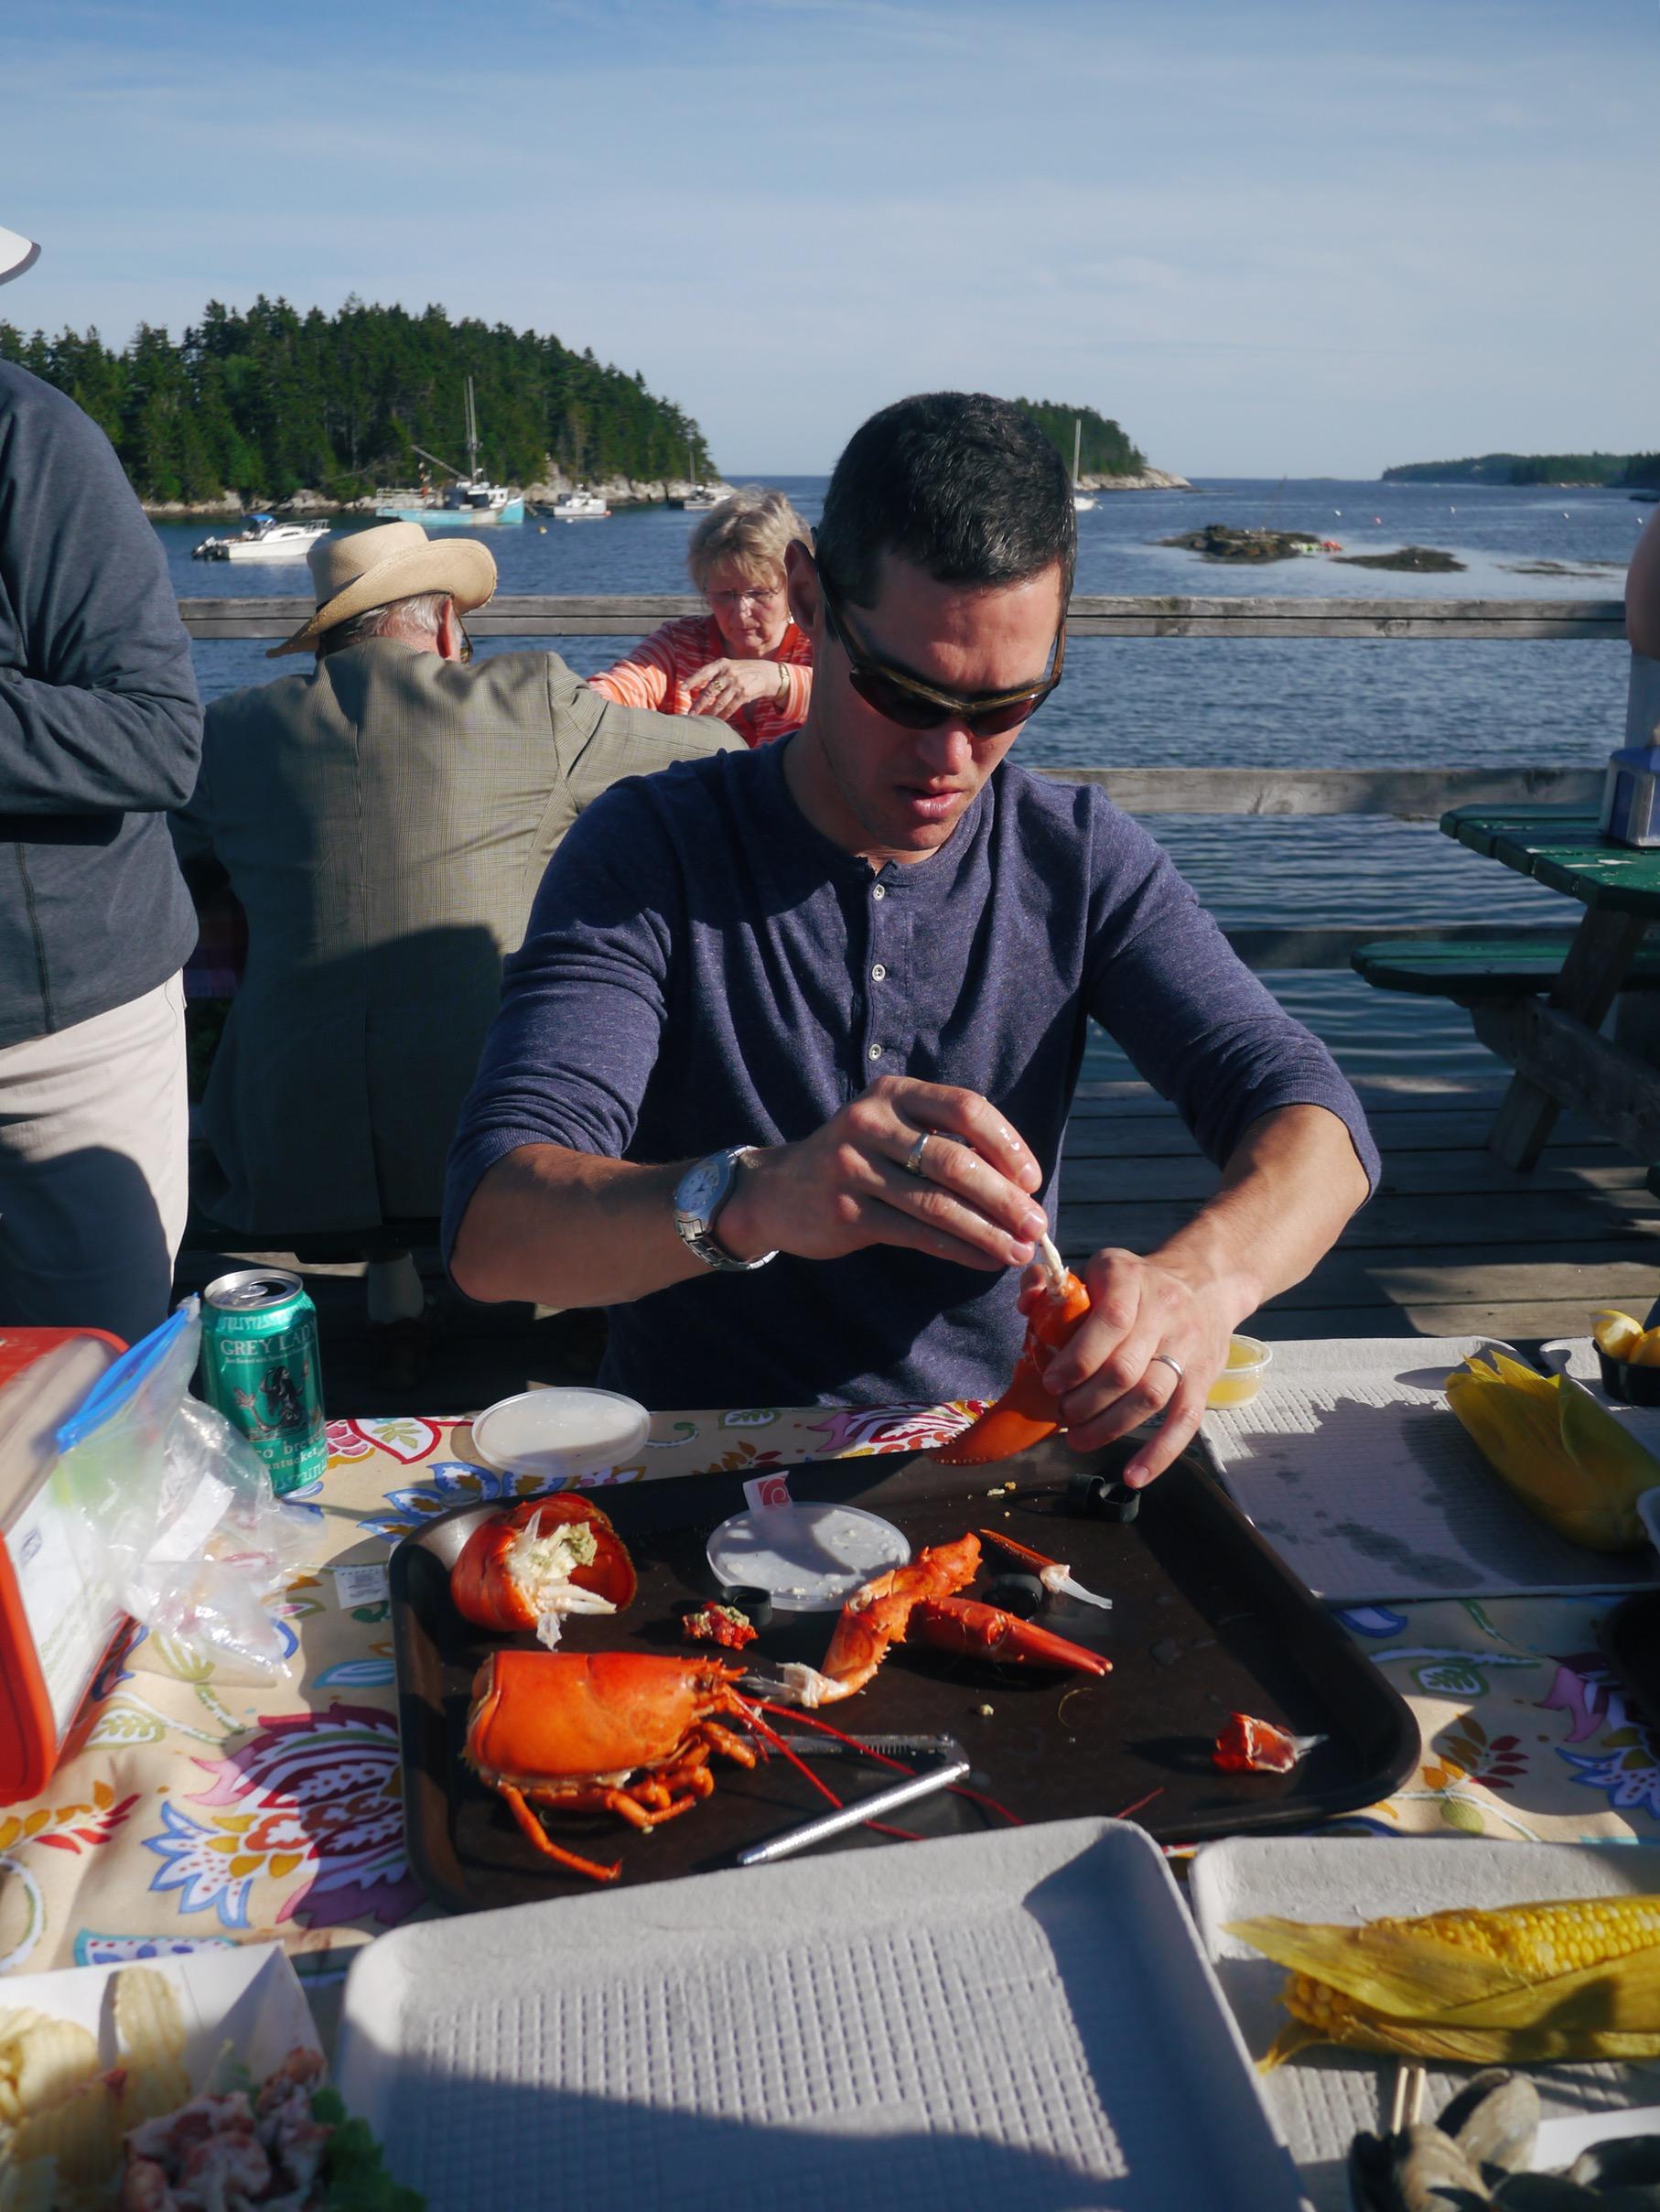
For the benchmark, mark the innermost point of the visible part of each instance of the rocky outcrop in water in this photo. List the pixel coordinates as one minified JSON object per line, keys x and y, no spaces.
{"x":1222,"y":541}
{"x":1144,"y":480}
{"x":1420,"y":560}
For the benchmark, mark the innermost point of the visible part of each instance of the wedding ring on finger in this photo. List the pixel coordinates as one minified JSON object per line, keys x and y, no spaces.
{"x":1166,"y":1359}
{"x":914,"y":1159}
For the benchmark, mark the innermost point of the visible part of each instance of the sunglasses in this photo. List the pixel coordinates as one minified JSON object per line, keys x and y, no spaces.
{"x":913,"y":705}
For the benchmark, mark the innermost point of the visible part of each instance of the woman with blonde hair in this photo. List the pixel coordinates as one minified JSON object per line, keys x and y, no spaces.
{"x":745,"y":661}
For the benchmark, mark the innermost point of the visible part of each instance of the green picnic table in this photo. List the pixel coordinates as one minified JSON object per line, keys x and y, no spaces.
{"x":1552,"y":1040}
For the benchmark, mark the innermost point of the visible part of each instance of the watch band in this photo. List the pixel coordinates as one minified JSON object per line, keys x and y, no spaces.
{"x":700,"y":1195}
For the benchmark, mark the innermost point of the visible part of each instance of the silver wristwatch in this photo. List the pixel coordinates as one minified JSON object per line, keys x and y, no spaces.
{"x":700,"y":1195}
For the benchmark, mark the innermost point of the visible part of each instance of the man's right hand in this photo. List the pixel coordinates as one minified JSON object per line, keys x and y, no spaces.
{"x":848,"y":1185}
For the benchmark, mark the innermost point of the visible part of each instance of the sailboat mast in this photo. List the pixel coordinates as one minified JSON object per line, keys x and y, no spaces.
{"x":472,"y":432}
{"x":1077,"y":447}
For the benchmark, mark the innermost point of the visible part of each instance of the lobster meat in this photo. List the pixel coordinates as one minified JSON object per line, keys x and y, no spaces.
{"x":547,"y":1557}
{"x":615,"y":1731}
{"x":1026,"y":1412}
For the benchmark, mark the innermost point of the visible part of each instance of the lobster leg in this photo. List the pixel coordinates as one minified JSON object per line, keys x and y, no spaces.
{"x":987,"y":1632}
{"x":543,"y":1842}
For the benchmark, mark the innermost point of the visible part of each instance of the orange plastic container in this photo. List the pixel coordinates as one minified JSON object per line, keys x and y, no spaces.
{"x":55,"y":1625}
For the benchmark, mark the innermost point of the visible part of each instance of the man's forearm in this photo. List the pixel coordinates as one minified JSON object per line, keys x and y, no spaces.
{"x":563,"y":1228}
{"x":1289,"y":1185}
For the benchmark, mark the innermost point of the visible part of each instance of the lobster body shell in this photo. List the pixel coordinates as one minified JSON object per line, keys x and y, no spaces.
{"x":1026,"y":1412}
{"x":618,"y":1732}
{"x":482,"y":1583}
{"x":542,"y":1720}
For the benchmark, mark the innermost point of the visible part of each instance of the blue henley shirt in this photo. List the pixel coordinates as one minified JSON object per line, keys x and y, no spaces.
{"x":702,"y":969}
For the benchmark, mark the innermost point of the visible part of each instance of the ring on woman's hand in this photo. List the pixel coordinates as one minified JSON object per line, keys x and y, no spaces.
{"x":1175,"y":1366}
{"x":914,"y":1159}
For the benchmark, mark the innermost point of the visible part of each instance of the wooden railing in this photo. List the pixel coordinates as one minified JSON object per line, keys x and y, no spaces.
{"x":1405,"y":793}
{"x":609,"y":615}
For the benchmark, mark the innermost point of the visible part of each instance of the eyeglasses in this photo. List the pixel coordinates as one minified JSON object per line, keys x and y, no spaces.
{"x":758,"y":596}
{"x":466,"y":653}
{"x":913,"y":705}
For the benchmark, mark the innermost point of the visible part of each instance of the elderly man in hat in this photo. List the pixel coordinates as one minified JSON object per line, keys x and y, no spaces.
{"x":385,"y":819}
{"x":100,"y":732}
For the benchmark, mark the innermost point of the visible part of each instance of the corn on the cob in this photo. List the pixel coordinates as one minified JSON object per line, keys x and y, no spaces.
{"x":1564,"y":1454}
{"x":1579,"y":1979}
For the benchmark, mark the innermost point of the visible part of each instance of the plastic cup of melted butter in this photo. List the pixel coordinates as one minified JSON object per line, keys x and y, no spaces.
{"x":562,"y":1434}
{"x":1241,"y":1379}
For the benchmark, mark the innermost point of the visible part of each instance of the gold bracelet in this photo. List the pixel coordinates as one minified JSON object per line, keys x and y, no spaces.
{"x":783,"y":693}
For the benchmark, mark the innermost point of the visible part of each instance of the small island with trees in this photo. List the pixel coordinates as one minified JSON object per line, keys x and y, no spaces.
{"x":1107,"y":459}
{"x":254,"y":406}
{"x":1618,"y":471}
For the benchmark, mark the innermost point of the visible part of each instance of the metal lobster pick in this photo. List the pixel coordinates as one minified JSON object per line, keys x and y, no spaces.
{"x":1055,"y":1575}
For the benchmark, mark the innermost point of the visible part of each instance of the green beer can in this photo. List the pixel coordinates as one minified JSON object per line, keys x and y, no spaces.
{"x":260,"y":1369}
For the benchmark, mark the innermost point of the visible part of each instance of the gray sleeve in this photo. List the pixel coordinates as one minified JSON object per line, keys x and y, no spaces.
{"x":100,"y":715}
{"x":1204,"y":1031}
{"x":583,"y":1002}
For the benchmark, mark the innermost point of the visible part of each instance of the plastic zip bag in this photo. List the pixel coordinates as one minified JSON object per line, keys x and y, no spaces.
{"x":175,"y":1513}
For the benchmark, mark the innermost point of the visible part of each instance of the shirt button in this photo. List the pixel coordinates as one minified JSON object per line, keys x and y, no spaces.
{"x":875,"y":1052}
{"x":880,"y":892}
{"x":879,"y":974}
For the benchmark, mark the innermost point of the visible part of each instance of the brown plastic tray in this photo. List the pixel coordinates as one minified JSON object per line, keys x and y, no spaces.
{"x":1206,"y":1621}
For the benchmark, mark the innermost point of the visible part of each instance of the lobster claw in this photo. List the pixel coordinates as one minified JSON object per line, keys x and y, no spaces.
{"x":1026,"y":1412}
{"x":987,"y":1632}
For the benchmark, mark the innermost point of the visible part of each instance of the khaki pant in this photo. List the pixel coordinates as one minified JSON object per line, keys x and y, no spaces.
{"x":94,"y":1133}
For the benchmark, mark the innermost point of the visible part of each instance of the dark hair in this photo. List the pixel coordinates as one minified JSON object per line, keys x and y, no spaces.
{"x":962,"y":485}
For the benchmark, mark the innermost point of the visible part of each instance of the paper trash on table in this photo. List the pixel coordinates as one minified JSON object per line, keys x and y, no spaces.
{"x":248,"y":1996}
{"x":1354,"y":1467}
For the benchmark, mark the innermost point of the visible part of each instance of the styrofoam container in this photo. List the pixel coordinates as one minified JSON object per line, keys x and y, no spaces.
{"x":248,"y":1996}
{"x":1021,"y":2019}
{"x":562,"y":1434}
{"x":1323,"y":2098}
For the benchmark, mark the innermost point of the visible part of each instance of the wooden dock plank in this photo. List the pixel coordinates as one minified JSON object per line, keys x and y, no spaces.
{"x":1433,"y":1254}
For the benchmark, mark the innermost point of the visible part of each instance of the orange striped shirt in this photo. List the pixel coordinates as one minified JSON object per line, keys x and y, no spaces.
{"x":656,"y":672}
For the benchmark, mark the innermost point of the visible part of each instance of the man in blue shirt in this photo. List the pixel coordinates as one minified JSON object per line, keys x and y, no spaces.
{"x":783,"y":1067}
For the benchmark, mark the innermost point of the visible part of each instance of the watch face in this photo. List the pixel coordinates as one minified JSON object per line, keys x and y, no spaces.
{"x":695,"y":1192}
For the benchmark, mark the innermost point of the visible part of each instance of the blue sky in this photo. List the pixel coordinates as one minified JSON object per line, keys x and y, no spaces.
{"x":1311,"y":238}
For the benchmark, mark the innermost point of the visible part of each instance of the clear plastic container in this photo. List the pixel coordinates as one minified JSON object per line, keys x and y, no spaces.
{"x":1241,"y":1379}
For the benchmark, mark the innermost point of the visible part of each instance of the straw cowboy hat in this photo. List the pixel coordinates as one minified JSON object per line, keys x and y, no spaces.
{"x":15,"y":254}
{"x":396,"y":561}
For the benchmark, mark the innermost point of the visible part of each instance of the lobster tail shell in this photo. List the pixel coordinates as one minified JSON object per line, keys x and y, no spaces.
{"x":1026,"y":1412}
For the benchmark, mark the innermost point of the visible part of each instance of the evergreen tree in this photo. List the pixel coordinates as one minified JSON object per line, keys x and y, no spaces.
{"x":263,"y":401}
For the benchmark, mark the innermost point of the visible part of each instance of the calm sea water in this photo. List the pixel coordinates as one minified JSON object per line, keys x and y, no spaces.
{"x":1254,"y":702}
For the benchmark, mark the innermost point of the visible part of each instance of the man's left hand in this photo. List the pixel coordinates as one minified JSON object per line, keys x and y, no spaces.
{"x":1151,"y":1345}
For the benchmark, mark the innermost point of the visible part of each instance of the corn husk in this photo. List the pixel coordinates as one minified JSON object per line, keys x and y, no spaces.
{"x":1526,"y":1983}
{"x":1562,"y":1453}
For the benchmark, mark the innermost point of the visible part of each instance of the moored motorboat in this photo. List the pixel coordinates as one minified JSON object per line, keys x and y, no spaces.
{"x":265,"y":539}
{"x":579,"y":507}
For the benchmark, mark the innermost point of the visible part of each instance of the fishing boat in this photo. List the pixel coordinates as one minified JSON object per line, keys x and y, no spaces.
{"x":469,"y":501}
{"x":579,"y":507}
{"x":265,"y":539}
{"x":703,"y":499}
{"x":1081,"y":500}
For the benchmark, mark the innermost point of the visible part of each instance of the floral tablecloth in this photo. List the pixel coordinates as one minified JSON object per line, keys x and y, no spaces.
{"x":198,"y":1811}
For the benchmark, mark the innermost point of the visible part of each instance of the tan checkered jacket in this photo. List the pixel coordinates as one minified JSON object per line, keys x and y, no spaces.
{"x":384,"y":821}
